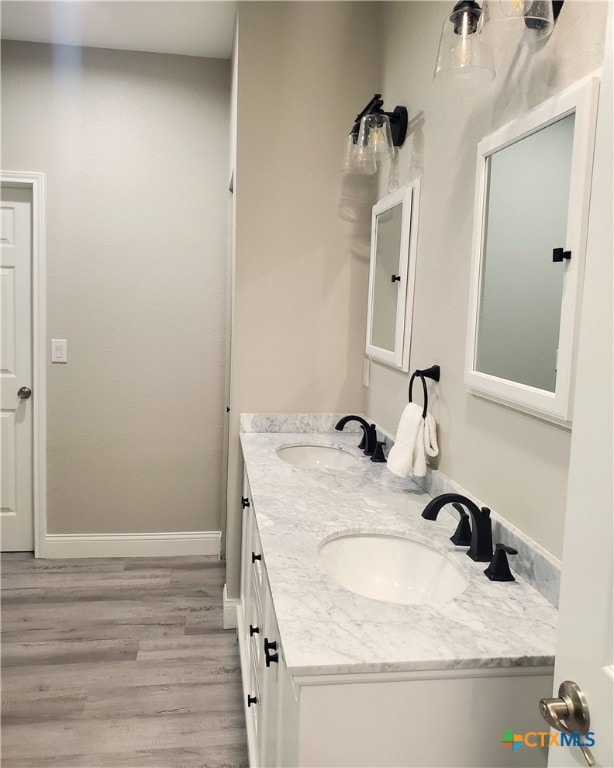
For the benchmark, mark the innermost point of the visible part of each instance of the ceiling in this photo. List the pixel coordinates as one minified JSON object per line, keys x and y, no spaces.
{"x":192,"y":28}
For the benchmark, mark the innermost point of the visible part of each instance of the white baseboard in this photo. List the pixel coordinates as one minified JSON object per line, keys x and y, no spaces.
{"x":174,"y":543}
{"x":231,"y":606}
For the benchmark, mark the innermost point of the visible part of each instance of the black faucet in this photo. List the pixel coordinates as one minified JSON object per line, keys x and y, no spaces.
{"x":481,"y":525}
{"x":369,"y":440}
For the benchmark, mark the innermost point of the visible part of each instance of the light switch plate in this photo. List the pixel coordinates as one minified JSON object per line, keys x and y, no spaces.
{"x":59,"y":351}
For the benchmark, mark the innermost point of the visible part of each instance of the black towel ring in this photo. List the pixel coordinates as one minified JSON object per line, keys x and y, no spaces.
{"x":434,"y":372}
{"x":411,"y":387}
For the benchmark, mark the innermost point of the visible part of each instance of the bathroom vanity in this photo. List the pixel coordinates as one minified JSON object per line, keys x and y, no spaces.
{"x":334,"y":678}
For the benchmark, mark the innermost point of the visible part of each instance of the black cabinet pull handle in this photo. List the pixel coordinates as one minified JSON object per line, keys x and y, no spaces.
{"x":251,"y":700}
{"x":395,"y":278}
{"x":270,"y":658}
{"x":245,"y":501}
{"x":256,"y":557}
{"x":253,"y":630}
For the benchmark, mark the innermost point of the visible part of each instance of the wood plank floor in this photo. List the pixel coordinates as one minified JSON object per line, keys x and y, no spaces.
{"x":118,"y":663}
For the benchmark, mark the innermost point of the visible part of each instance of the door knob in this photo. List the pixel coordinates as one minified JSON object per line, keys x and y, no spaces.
{"x":568,"y":713}
{"x":23,"y":393}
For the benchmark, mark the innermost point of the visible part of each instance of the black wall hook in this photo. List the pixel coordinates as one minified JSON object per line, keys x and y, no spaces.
{"x":434,"y":373}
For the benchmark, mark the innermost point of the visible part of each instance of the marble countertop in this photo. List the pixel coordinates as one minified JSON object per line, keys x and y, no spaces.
{"x":326,"y":629}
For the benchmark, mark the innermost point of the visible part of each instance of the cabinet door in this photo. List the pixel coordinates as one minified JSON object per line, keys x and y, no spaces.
{"x":249,"y":619}
{"x":255,"y":561}
{"x":262,"y":662}
{"x":271,"y":681}
{"x":246,"y":537}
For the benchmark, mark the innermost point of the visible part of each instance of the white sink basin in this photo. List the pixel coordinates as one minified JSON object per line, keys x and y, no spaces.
{"x":317,"y":457}
{"x":392,"y":568}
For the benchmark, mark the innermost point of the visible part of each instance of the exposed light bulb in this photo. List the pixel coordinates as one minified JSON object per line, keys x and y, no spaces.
{"x":377,"y":139}
{"x":464,"y":45}
{"x":377,"y":135}
{"x":517,"y":7}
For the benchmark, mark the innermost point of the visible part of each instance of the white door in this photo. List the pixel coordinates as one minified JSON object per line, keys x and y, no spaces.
{"x":584,"y":645}
{"x":16,"y":512}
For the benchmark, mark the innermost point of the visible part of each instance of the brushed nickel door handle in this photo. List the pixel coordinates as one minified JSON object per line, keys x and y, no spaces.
{"x":23,"y":393}
{"x":569,"y":713}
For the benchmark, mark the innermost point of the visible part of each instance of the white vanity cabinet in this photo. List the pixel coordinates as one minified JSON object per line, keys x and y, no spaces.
{"x":309,"y":718}
{"x":262,"y":661}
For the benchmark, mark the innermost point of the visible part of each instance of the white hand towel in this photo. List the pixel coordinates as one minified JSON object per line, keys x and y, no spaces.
{"x":430,"y":436}
{"x":426,"y":445}
{"x":401,"y":456}
{"x":419,"y":468}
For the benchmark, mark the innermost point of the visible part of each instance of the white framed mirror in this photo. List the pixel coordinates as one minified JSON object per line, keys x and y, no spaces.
{"x":530,"y":222}
{"x":392,"y":276}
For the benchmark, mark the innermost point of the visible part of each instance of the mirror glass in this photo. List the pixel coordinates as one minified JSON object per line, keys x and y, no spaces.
{"x":387,"y":251}
{"x":392,"y":272}
{"x":521,"y":290}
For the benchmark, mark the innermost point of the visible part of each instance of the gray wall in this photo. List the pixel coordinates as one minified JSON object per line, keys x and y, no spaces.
{"x":302,"y":233}
{"x":134,"y":146}
{"x":513,"y":462}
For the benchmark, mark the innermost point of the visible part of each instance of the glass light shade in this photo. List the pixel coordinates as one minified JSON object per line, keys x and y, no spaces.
{"x":349,"y":154}
{"x":465,"y":50}
{"x":362,"y":162}
{"x":359,"y":157}
{"x":375,"y":133}
{"x":536,"y":14}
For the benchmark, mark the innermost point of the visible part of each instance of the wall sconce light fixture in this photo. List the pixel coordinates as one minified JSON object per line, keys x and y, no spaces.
{"x":374,"y":135}
{"x":539,"y":15}
{"x":465,"y":51}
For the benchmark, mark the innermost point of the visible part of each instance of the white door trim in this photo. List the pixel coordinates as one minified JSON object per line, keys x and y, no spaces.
{"x":36,"y":183}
